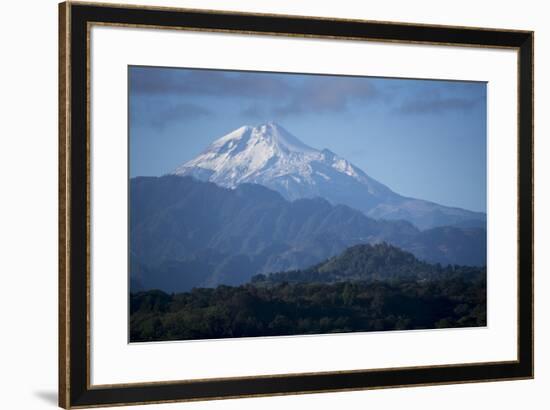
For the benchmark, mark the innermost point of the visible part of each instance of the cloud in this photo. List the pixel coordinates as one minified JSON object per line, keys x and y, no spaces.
{"x":164,"y":114}
{"x":258,"y":95}
{"x":269,"y":93}
{"x":328,"y":94}
{"x":167,"y":81}
{"x":436,"y":103}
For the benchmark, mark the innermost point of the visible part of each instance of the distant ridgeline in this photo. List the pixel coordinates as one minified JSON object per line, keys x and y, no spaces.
{"x":186,"y":233}
{"x":380,"y":262}
{"x":365,"y":288}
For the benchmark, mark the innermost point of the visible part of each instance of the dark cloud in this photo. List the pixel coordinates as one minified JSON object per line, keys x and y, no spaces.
{"x":154,"y":81}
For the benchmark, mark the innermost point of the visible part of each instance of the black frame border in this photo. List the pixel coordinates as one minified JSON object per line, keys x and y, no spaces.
{"x":75,"y":390}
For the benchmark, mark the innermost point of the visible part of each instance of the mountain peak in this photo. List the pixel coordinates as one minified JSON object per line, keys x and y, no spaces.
{"x":274,"y":128}
{"x":269,"y":155}
{"x":269,"y":124}
{"x":274,"y":133}
{"x":268,"y":135}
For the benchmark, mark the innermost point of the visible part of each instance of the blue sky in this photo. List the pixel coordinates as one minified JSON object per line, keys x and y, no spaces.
{"x":422,"y":138}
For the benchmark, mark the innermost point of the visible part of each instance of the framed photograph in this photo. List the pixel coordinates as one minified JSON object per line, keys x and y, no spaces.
{"x":257,"y":204}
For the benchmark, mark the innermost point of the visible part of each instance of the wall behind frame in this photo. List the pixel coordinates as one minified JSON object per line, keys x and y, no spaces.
{"x":28,"y":210}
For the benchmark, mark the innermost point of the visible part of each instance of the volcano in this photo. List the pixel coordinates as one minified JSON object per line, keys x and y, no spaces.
{"x":271,"y":156}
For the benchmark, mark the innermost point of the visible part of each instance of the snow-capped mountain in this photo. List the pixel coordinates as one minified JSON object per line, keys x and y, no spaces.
{"x":269,"y":155}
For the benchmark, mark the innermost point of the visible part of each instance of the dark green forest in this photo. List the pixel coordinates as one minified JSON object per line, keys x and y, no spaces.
{"x":366,"y":288}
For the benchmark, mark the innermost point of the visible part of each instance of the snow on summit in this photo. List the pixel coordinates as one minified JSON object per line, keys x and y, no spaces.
{"x":269,"y":155}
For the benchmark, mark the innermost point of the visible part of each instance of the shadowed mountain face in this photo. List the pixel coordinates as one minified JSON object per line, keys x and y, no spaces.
{"x":185,"y":233}
{"x":269,"y":155}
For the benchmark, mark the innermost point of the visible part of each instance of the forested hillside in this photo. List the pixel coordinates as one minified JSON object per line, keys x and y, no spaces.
{"x":366,"y":288}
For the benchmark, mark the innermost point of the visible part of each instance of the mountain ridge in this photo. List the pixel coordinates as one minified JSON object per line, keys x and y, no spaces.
{"x":185,"y":233}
